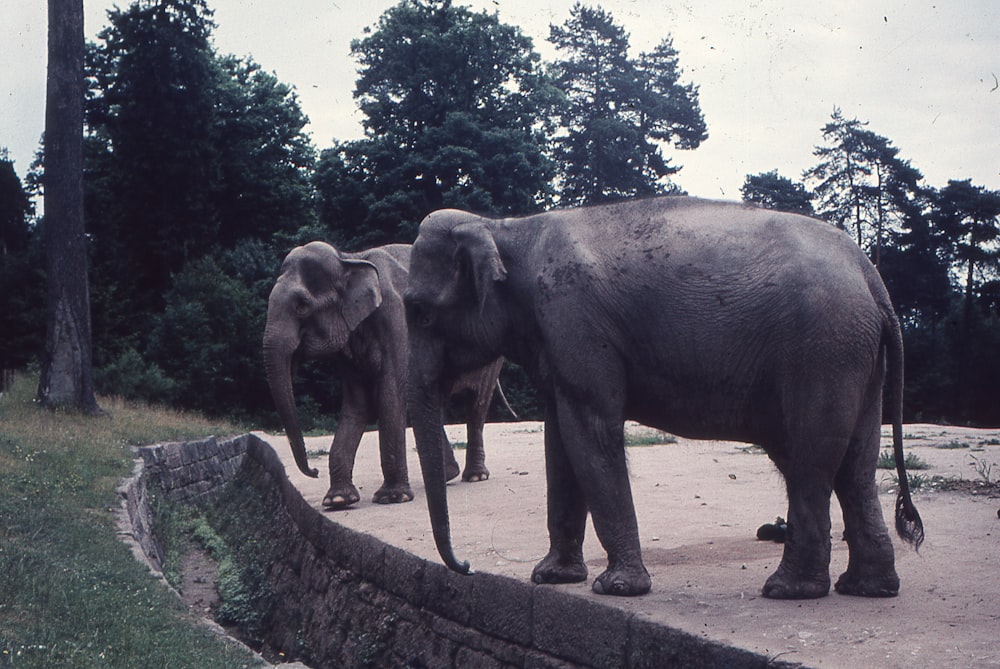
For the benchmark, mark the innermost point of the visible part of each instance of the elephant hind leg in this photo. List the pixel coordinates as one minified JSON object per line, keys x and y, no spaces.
{"x":475,"y":450}
{"x":804,"y":571}
{"x":871,"y":568}
{"x":475,"y":455}
{"x":807,"y":466}
{"x":451,"y":468}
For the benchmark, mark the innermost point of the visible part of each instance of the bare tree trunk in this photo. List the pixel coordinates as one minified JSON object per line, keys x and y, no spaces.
{"x":6,"y":375}
{"x":66,"y":362}
{"x":880,"y":225}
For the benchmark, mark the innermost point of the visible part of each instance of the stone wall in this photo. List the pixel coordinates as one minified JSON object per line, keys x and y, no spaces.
{"x":193,"y":472}
{"x":340,"y":598}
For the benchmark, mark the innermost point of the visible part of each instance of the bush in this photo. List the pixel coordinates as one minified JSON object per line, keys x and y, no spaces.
{"x":207,"y":341}
{"x":132,"y":377}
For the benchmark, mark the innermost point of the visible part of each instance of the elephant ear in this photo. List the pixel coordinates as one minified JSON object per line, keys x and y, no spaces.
{"x":477,"y":247}
{"x":362,"y":293}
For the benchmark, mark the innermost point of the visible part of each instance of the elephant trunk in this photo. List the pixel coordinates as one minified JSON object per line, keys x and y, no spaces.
{"x":425,"y":405}
{"x":278,"y":367}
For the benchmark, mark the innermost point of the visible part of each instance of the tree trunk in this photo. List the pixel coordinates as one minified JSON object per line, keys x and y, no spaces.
{"x":66,"y":363}
{"x":880,"y":225}
{"x":6,"y":375}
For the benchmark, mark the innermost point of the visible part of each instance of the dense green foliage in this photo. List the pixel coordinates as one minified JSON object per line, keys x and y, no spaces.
{"x":937,"y":250}
{"x":197,"y":169}
{"x":22,"y":281}
{"x":199,"y":178}
{"x":71,"y":593}
{"x":225,"y":533}
{"x":773,"y":191}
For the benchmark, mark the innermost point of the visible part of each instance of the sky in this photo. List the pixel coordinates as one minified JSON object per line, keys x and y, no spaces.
{"x":922,"y":73}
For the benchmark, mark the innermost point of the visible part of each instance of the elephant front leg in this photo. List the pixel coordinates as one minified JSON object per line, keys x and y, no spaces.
{"x":395,"y":487}
{"x":593,"y":442}
{"x":567,"y":516}
{"x":342,"y":492}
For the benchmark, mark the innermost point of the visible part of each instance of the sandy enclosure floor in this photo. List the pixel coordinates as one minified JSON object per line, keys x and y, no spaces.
{"x":699,"y":504}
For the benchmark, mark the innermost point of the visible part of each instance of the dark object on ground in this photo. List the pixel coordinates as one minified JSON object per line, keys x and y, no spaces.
{"x":773,"y":531}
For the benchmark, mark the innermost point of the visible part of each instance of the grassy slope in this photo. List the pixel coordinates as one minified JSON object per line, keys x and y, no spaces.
{"x":71,"y":594}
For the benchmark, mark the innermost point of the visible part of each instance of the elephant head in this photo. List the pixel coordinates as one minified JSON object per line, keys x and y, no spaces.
{"x":318,"y":300}
{"x":456,"y":324}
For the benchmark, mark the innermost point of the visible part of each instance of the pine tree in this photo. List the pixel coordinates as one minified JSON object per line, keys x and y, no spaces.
{"x":454,"y":103}
{"x":773,"y":191}
{"x":620,"y":112}
{"x":861,"y":183}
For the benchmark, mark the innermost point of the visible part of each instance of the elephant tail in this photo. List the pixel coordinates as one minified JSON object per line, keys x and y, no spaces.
{"x":909,"y":526}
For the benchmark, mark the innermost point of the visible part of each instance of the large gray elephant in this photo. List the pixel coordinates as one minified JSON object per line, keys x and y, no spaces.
{"x":709,"y":320}
{"x":349,"y":307}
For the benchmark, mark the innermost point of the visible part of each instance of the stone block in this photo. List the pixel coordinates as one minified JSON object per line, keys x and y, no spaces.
{"x":502,"y":607}
{"x":652,"y":646}
{"x":579,"y":629}
{"x":470,"y":658}
{"x":403,"y":575}
{"x":341,"y":545}
{"x":172,"y":457}
{"x":372,"y":558}
{"x":448,"y":593}
{"x":536,"y":660}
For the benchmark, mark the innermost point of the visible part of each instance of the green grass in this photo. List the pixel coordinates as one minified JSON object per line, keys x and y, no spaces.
{"x":886,"y":460}
{"x":241,"y":560}
{"x":648,"y":437}
{"x":71,"y":594}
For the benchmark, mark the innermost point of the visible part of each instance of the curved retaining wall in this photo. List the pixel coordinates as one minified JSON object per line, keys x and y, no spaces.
{"x":341,"y":598}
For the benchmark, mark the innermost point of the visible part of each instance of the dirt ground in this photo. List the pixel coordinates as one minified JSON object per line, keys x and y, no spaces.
{"x":699,"y":505}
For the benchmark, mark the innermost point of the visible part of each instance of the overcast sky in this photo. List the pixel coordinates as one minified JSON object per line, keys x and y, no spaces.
{"x":923,"y":73}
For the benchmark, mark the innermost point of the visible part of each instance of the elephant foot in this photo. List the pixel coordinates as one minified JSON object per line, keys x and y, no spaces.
{"x":393,"y":494}
{"x":475,"y":474}
{"x":451,"y":470}
{"x":341,"y":497}
{"x":623,"y":582}
{"x":552,"y":569}
{"x":785,"y":585}
{"x":882,"y":584}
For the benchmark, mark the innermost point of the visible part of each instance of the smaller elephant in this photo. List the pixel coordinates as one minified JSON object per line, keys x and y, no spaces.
{"x":348,"y":307}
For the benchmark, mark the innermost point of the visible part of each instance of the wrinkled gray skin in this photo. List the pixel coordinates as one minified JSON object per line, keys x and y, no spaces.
{"x":348,"y":307}
{"x":708,"y":320}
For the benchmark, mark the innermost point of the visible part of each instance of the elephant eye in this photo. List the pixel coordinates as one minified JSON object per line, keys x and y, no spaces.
{"x":301,"y":305}
{"x":420,"y":315}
